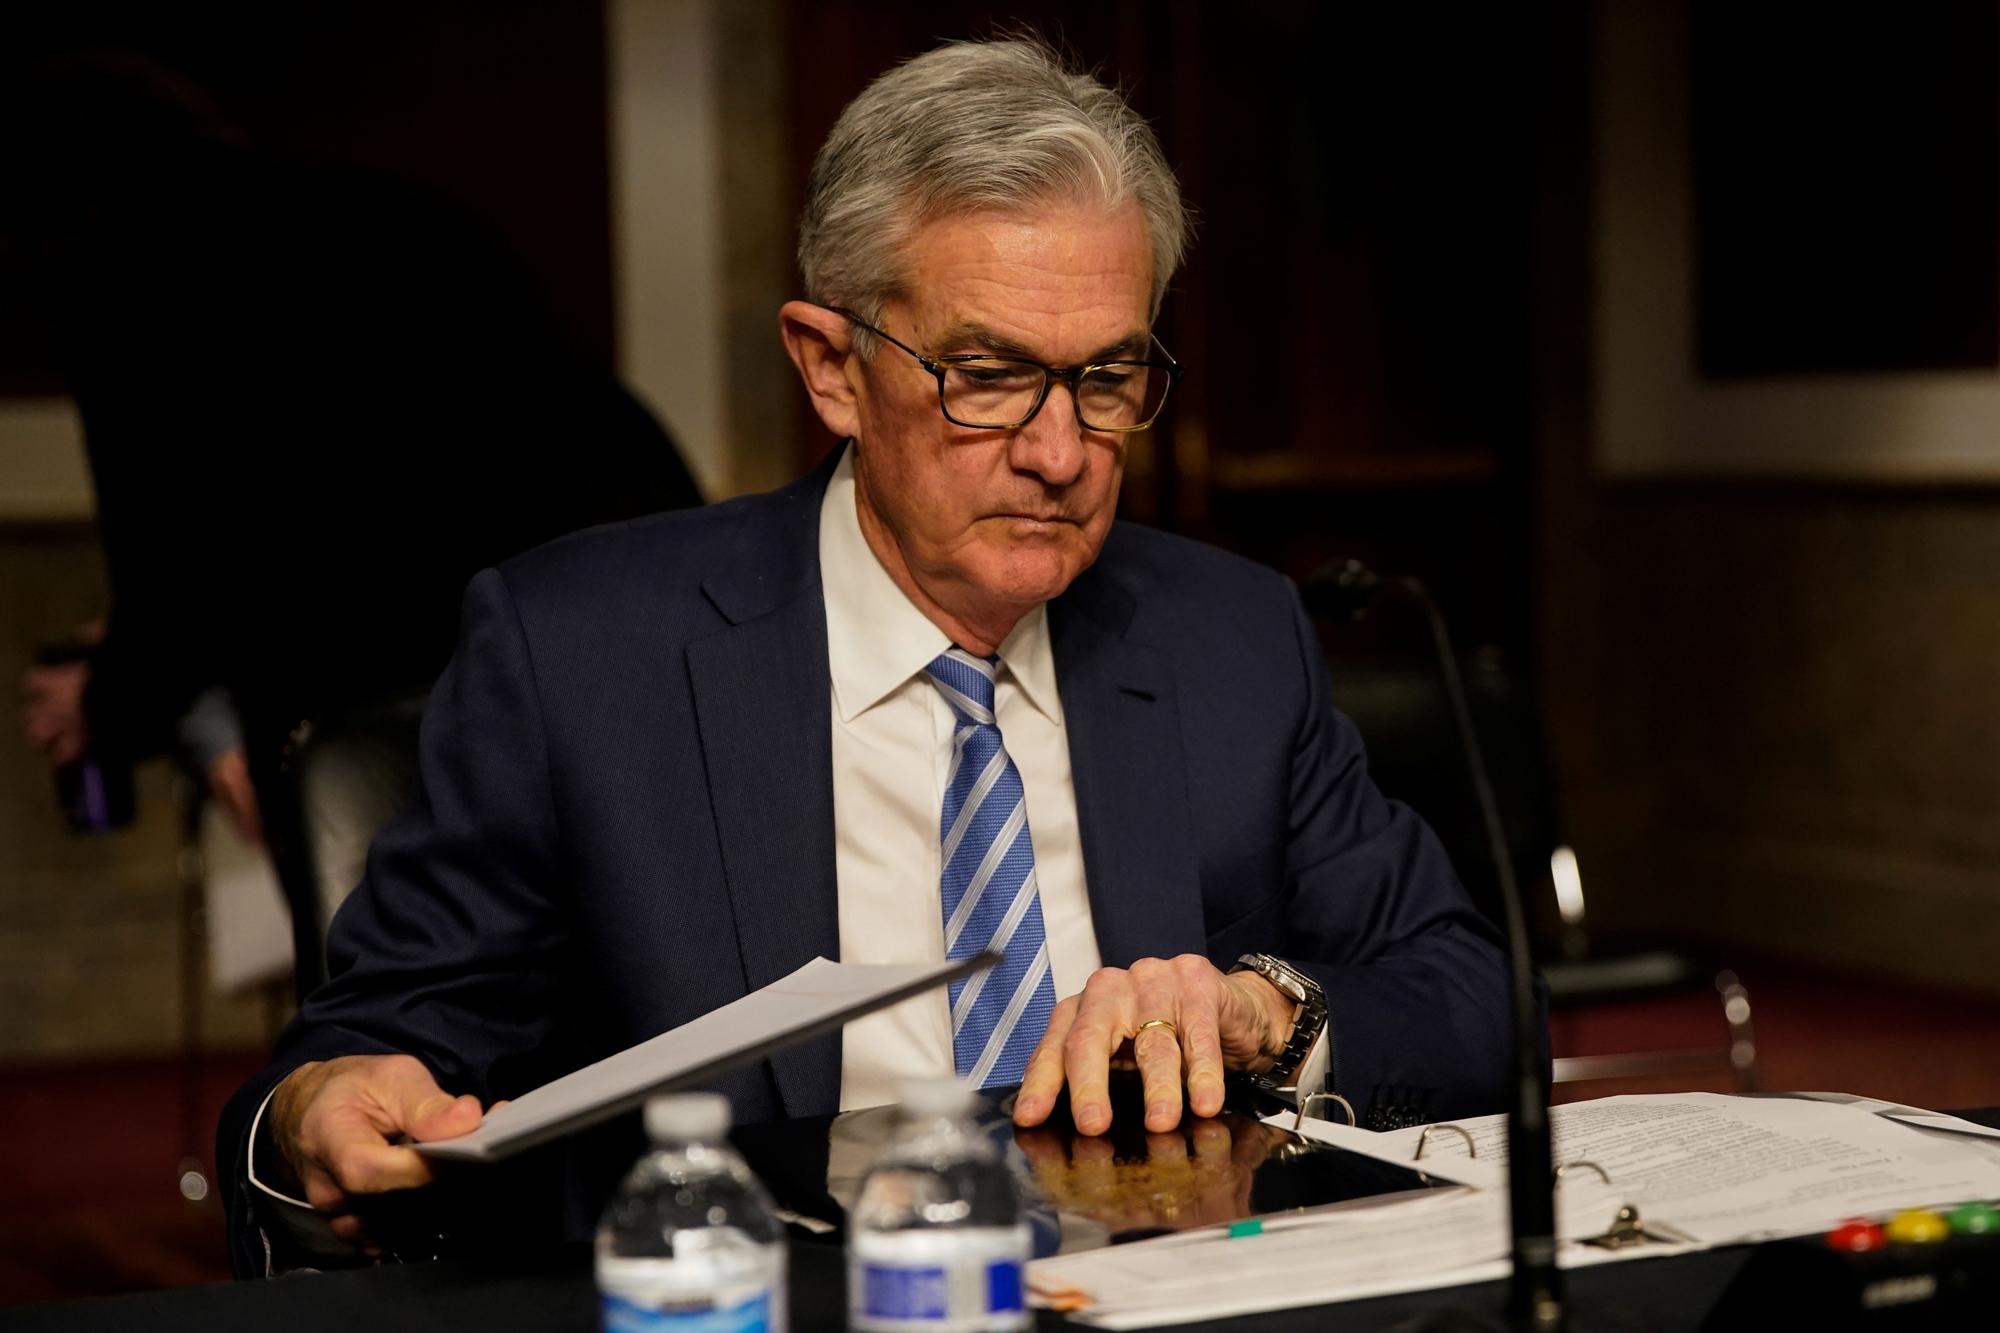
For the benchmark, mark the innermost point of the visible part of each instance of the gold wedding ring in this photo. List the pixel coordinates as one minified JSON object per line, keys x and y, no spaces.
{"x":1155,"y":1023}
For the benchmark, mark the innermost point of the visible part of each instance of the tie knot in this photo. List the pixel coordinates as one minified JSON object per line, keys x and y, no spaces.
{"x":966,"y":683}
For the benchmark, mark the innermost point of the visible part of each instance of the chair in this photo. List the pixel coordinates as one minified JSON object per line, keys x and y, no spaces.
{"x":343,"y":776}
{"x":1392,"y":691}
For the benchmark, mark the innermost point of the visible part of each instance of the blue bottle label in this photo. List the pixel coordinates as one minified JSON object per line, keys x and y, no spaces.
{"x":905,"y":1293}
{"x":919,"y":1292}
{"x":1003,"y":1286}
{"x":749,"y":1316}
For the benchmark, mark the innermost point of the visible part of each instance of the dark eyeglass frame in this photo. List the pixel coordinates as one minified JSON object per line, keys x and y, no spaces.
{"x":1071,"y":376}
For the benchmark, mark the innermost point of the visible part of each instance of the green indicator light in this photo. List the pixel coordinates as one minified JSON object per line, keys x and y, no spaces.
{"x":1975,"y":1219}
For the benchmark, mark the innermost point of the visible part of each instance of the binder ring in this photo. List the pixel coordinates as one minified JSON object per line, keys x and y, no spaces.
{"x":1471,"y":1148}
{"x":1602,"y":1174}
{"x":1305,"y":1107}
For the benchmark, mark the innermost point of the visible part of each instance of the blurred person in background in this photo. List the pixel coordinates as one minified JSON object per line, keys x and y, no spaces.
{"x":315,"y":402}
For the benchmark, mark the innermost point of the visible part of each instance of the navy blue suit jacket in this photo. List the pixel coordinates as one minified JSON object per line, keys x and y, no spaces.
{"x":627,"y":820}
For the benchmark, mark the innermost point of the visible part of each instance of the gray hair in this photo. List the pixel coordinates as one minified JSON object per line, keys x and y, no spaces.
{"x":967,"y":127}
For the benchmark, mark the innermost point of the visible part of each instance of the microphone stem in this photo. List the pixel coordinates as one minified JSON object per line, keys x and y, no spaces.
{"x":1535,"y":1297}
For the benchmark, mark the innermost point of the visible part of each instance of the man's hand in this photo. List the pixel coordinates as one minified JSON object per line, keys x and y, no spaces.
{"x":340,"y":1124}
{"x":1237,"y":1021}
{"x":52,"y":710}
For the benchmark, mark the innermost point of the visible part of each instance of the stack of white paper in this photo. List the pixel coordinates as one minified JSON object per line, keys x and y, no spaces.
{"x":1372,"y":1247}
{"x":1728,"y":1169}
{"x":1702,"y":1168}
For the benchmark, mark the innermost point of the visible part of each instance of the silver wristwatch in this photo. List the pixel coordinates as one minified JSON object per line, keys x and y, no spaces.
{"x":1301,"y":1067}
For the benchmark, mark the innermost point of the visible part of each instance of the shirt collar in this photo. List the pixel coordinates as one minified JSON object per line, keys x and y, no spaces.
{"x":876,"y":638}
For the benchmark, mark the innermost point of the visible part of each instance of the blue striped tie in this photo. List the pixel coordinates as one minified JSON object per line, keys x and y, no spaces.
{"x":988,"y":886}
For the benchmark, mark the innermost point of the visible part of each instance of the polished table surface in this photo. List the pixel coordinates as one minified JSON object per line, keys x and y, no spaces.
{"x":552,"y":1290}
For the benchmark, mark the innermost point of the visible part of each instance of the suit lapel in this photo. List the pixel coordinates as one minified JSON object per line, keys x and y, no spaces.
{"x":1130,"y":775}
{"x":761,"y":702}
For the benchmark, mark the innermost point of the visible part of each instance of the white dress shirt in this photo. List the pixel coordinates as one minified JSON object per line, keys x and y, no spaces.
{"x":892,"y":735}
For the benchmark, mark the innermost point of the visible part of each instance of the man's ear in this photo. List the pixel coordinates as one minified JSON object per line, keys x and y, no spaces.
{"x":821,"y":345}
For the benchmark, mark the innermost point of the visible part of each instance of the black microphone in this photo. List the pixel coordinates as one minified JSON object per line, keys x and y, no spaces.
{"x":1344,"y":590}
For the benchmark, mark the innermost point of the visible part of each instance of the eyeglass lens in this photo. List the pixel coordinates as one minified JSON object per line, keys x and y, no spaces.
{"x":1000,"y":394}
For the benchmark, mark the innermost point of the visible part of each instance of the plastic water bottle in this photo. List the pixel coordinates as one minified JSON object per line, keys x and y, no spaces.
{"x":936,"y":1241}
{"x":689,"y":1244}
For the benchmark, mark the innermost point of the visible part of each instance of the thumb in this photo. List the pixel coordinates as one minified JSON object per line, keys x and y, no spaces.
{"x":443,"y":1116}
{"x":419,"y":1107}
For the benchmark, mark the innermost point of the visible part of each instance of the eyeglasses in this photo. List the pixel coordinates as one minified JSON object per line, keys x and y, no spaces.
{"x":1005,"y":392}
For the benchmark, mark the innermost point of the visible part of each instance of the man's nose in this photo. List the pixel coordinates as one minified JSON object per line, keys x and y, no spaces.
{"x":1052,"y":445}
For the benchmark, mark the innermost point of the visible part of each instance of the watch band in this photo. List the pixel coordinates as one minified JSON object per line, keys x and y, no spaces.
{"x":1306,"y":1049}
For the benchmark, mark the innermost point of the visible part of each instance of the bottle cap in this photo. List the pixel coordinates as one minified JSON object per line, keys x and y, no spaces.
{"x":938,"y":1096}
{"x":696,"y":1116}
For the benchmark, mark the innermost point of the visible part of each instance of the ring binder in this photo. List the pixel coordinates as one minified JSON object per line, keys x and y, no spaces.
{"x":1471,"y":1148}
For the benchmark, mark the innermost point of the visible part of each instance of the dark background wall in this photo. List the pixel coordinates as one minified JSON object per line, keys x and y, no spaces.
{"x":498,"y":106}
{"x":1773,"y":697}
{"x":1770,"y":701}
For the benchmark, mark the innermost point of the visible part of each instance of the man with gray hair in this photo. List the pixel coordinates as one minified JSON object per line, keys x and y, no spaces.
{"x":930,"y":700}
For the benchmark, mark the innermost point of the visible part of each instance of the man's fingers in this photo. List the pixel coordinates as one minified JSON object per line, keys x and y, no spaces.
{"x":1103,"y":1021}
{"x":1201,"y":1041}
{"x":376,"y":1169}
{"x":322,"y":1192}
{"x":1117,"y":1004}
{"x":350,"y":1143}
{"x":1044,"y":1076}
{"x":1156,"y":1048}
{"x":348,"y":1227}
{"x":1159,"y":1057}
{"x":352,"y":1115}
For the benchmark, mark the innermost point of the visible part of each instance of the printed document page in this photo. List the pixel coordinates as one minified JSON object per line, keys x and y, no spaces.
{"x":1379,"y":1246}
{"x":1703,"y":1169}
{"x":819,"y":996}
{"x":1369,"y":1247}
{"x":1726,"y":1168}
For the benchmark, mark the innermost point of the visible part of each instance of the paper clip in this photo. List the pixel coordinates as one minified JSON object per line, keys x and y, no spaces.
{"x":1471,"y":1148}
{"x":1305,"y":1108}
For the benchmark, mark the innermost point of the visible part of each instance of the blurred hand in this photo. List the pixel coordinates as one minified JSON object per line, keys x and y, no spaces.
{"x":1237,"y":1021}
{"x":52,"y":710}
{"x":340,"y":1125}
{"x":229,"y":786}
